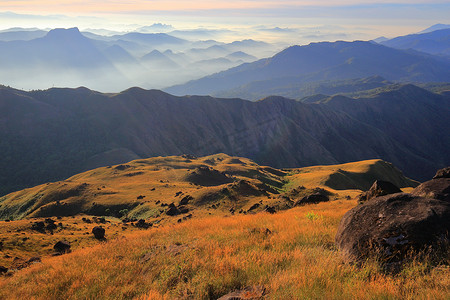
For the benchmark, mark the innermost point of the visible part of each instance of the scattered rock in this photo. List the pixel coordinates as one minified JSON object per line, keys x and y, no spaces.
{"x":142,"y":224}
{"x":173,"y":210}
{"x":86,"y":220}
{"x":62,"y":247}
{"x":183,"y":209}
{"x":379,"y":188}
{"x":99,"y":232}
{"x":270,"y":209}
{"x":186,"y":200}
{"x":311,"y":199}
{"x":248,"y":293}
{"x":38,"y":226}
{"x":253,"y":207}
{"x":394,"y":226}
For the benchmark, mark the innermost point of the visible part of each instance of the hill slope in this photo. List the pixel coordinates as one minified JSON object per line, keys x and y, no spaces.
{"x":217,"y":184}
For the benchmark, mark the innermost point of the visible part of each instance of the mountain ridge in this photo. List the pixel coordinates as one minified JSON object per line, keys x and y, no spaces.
{"x":59,"y":132}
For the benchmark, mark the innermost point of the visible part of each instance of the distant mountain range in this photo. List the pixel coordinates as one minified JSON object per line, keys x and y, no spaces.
{"x":434,"y":42}
{"x":37,"y":59}
{"x":299,"y":65}
{"x":53,"y":134}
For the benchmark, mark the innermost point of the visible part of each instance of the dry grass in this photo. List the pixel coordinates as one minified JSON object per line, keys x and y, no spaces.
{"x":291,"y":253}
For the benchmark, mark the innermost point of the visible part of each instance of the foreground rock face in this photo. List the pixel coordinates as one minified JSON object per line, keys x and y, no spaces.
{"x":392,"y":226}
{"x":379,"y":188}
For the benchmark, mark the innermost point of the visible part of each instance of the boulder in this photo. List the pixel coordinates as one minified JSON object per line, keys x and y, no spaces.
{"x":186,"y":200}
{"x":393,"y":227}
{"x":38,"y":226}
{"x":3,"y":270}
{"x":314,"y":198}
{"x":62,"y":247}
{"x":99,"y":232}
{"x":379,"y":188}
{"x":438,"y":187}
{"x":173,"y":210}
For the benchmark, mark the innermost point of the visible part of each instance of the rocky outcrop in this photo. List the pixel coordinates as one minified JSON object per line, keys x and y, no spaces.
{"x":379,"y":188}
{"x":438,"y":187}
{"x":398,"y":226}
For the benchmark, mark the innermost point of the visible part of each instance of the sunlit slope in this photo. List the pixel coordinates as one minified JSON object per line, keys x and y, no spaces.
{"x":216,"y":184}
{"x":355,"y":176}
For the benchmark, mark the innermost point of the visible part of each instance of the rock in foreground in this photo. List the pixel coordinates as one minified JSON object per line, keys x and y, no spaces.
{"x":394,"y":226}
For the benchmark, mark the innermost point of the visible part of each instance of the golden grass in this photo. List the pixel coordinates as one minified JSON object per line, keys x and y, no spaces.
{"x":291,"y":253}
{"x":160,"y":180}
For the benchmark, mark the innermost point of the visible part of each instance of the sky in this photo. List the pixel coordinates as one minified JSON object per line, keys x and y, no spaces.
{"x":290,"y":20}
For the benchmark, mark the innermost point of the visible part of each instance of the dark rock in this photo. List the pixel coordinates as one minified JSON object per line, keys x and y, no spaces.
{"x":442,"y":173}
{"x":140,"y":197}
{"x":183,"y":210}
{"x":186,"y":200}
{"x":3,"y":270}
{"x":392,"y":227}
{"x":51,"y":226}
{"x":172,"y":211}
{"x":254,"y":206}
{"x":62,"y":247}
{"x":49,"y":221}
{"x":438,"y":188}
{"x":142,"y":224}
{"x":248,"y":293}
{"x":270,"y":209}
{"x":99,"y":232}
{"x":379,"y":188}
{"x":99,"y":220}
{"x":86,"y":220}
{"x":311,"y":199}
{"x":38,"y":226}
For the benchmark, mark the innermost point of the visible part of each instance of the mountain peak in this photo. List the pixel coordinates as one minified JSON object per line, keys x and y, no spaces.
{"x":63,"y":33}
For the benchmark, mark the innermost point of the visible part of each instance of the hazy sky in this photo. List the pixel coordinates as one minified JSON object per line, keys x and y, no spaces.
{"x":346,"y":19}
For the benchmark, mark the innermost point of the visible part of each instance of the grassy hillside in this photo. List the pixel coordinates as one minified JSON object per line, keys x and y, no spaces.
{"x":216,"y":184}
{"x":291,"y":254}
